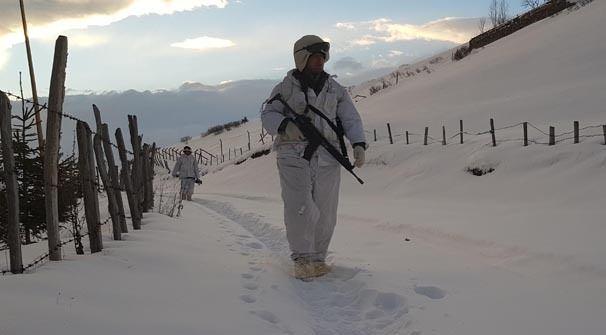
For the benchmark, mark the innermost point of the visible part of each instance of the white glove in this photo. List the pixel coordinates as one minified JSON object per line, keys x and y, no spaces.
{"x":292,"y":133}
{"x":359,"y":156}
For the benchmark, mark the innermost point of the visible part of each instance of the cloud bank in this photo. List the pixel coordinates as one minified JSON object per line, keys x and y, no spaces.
{"x":49,"y":18}
{"x":450,"y":29}
{"x":204,"y":43}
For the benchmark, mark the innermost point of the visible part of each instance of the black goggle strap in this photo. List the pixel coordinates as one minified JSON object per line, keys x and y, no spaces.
{"x":322,"y":47}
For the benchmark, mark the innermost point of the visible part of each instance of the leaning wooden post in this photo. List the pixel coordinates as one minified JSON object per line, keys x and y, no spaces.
{"x":461,"y":130}
{"x":551,"y":135}
{"x":86,"y":164}
{"x":248,"y":140}
{"x":111,"y":195}
{"x":407,"y":138}
{"x":426,"y":135}
{"x":576,"y":131}
{"x":389,"y":131}
{"x":12,"y":188}
{"x":32,"y":77}
{"x":114,"y":176}
{"x":494,"y":138}
{"x":136,"y":146}
{"x":375,"y":132}
{"x":443,"y":135}
{"x":51,"y":151}
{"x":98,"y":121}
{"x":525,"y":126}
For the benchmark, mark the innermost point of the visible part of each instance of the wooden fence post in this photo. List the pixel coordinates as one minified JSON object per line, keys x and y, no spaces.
{"x":576,"y":131}
{"x":111,"y":195}
{"x":114,"y":176}
{"x":389,"y":131}
{"x":426,"y":135}
{"x":248,"y":140}
{"x":375,"y":131}
{"x":407,"y":138}
{"x":525,"y":126}
{"x":494,"y":138}
{"x":86,"y":164}
{"x":147,"y":177}
{"x":222,"y":155}
{"x":551,"y":135}
{"x":141,"y":167}
{"x":443,"y":135}
{"x":51,"y":152}
{"x":461,"y":127}
{"x":128,"y":181}
{"x":136,"y":169}
{"x":12,"y":188}
{"x":152,"y":154}
{"x":604,"y":129}
{"x":241,"y":152}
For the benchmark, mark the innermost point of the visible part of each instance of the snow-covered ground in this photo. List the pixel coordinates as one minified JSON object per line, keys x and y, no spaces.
{"x":424,"y":247}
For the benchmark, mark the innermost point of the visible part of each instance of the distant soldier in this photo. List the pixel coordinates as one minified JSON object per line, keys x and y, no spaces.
{"x":187,"y":170}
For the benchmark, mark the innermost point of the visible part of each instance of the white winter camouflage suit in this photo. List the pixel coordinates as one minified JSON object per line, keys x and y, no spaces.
{"x":310,"y":189}
{"x":186,"y":168}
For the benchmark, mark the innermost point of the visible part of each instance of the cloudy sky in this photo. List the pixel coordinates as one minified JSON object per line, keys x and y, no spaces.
{"x":160,"y":44}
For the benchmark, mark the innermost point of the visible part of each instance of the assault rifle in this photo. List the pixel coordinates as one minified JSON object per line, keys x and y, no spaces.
{"x":315,"y":138}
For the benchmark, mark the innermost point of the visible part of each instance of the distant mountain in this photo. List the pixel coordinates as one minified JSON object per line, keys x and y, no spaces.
{"x":165,"y":116}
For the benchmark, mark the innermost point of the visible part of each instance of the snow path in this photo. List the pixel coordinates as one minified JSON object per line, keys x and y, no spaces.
{"x":340,"y":303}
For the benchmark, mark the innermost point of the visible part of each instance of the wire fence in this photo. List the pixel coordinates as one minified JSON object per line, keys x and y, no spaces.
{"x":542,"y":137}
{"x":113,"y":184}
{"x":44,"y":257}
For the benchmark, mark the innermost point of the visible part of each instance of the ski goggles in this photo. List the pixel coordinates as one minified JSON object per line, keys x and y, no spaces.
{"x":322,"y":47}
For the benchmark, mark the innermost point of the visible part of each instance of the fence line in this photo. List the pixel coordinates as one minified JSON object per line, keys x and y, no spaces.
{"x":144,"y":158}
{"x":554,"y":138}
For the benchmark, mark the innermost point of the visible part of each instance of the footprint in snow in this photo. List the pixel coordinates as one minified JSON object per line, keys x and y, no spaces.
{"x":247,"y":276}
{"x":267,"y":316}
{"x":254,"y":245}
{"x":247,"y":298}
{"x":431,"y":292}
{"x":251,"y":286}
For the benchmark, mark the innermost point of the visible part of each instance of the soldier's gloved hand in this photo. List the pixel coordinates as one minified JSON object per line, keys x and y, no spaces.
{"x":290,"y":131}
{"x":199,"y":181}
{"x":359,"y":150}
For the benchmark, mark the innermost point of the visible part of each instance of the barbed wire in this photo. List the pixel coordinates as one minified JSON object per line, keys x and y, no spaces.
{"x":44,"y":256}
{"x":63,"y":114}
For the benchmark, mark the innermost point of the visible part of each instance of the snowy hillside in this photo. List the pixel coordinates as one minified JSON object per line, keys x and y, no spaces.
{"x":423,"y":247}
